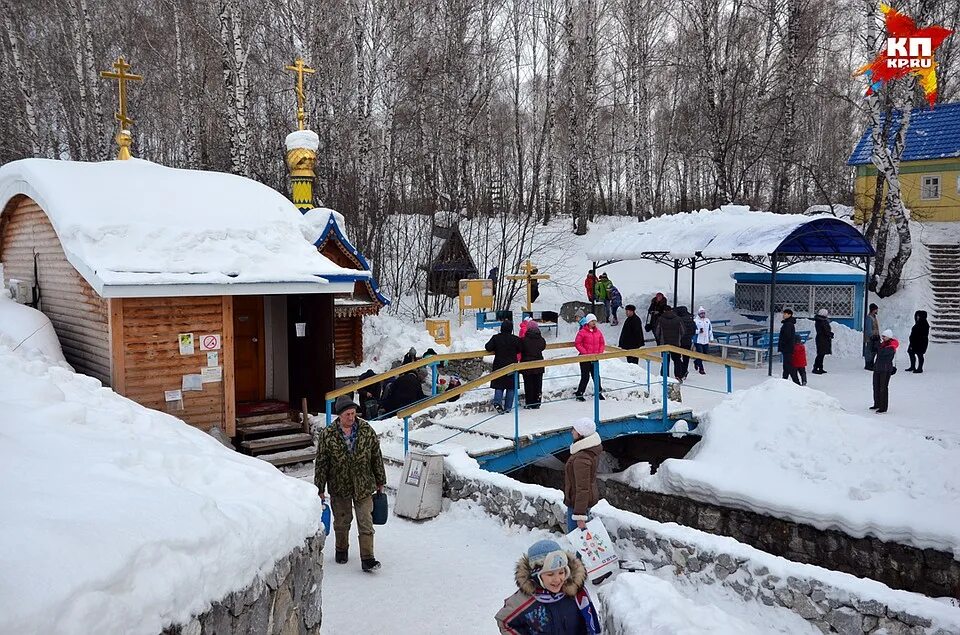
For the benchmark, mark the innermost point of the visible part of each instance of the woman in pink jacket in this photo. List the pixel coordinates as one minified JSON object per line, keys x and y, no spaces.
{"x":589,"y":341}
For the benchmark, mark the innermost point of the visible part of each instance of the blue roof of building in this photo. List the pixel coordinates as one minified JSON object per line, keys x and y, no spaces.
{"x":933,"y":134}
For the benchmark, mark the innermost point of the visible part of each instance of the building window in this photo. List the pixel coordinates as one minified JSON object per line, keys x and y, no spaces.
{"x":930,"y":187}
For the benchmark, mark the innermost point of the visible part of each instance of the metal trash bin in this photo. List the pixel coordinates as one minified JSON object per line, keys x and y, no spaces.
{"x":420,"y":494}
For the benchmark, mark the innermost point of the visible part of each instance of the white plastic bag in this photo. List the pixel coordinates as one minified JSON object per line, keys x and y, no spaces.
{"x":595,"y":548}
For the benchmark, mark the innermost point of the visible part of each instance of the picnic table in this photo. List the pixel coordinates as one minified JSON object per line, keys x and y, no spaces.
{"x":749,"y":331}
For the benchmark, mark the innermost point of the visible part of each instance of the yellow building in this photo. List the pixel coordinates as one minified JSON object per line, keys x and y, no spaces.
{"x":929,"y":167}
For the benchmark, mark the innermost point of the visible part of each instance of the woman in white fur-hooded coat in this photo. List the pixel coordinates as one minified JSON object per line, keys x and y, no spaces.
{"x":580,"y":491}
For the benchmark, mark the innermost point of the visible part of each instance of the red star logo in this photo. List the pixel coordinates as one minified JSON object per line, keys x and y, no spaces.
{"x":910,"y":54}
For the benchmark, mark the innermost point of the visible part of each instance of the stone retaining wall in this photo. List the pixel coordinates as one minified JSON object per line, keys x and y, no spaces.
{"x":925,"y":571}
{"x":285,"y":602}
{"x":830,"y":608}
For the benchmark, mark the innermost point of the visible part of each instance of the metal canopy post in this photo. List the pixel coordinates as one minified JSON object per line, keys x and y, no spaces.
{"x":773,"y":295}
{"x":866,"y":302}
{"x":693,"y":285}
{"x":676,"y":278}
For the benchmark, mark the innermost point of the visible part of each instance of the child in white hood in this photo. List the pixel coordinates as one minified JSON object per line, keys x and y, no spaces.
{"x":702,"y":338}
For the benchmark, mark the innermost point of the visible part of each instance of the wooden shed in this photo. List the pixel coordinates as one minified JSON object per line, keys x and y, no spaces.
{"x":197,"y":293}
{"x":365,"y":298}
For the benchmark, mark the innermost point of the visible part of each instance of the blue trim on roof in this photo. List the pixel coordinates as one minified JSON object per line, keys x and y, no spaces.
{"x":332,"y":225}
{"x":933,"y":134}
{"x":825,"y":237}
{"x":799,"y":278}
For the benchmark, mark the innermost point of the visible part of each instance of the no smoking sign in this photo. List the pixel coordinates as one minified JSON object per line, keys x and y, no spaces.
{"x":209,"y":342}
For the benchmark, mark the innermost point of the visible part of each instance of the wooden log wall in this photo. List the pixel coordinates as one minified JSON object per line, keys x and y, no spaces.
{"x":79,"y":316}
{"x":149,"y":359}
{"x":348,"y":347}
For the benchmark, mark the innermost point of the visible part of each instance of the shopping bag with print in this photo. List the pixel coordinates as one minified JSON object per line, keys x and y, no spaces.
{"x":596,"y":549}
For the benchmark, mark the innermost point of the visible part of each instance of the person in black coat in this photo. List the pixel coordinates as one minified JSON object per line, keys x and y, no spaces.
{"x":883,"y":369}
{"x":686,"y":339}
{"x":505,"y":347}
{"x":631,"y":333}
{"x":657,"y":306}
{"x":824,"y":340}
{"x":670,"y":332}
{"x":919,"y":338}
{"x":406,"y":390}
{"x":532,"y":346}
{"x":785,"y":344}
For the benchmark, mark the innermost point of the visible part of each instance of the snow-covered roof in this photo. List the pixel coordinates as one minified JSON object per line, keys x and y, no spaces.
{"x":730,"y":230}
{"x":320,"y":221}
{"x":122,"y":519}
{"x":933,"y":134}
{"x":135,"y":228}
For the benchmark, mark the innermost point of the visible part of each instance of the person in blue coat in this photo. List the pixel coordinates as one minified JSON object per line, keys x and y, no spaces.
{"x":551,"y":598}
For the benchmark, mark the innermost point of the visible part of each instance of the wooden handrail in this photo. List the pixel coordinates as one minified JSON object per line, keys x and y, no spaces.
{"x":652,"y":354}
{"x":419,"y":363}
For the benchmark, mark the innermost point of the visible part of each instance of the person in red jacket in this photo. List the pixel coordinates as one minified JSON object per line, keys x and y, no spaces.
{"x":589,"y":341}
{"x":799,"y":361}
{"x":590,"y":283}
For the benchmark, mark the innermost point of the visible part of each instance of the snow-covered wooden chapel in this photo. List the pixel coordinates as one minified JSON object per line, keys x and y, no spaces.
{"x":187,"y":291}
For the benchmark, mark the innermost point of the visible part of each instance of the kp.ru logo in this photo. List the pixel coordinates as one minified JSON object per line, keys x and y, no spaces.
{"x":908,"y":50}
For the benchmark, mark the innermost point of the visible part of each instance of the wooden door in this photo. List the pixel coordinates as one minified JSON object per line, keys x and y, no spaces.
{"x":248,"y":351}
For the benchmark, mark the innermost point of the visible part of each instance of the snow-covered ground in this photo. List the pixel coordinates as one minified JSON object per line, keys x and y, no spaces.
{"x":795,"y":452}
{"x":121,"y":519}
{"x":451,"y":575}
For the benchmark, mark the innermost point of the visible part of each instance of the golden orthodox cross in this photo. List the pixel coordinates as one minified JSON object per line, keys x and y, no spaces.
{"x":300,"y":68}
{"x":122,"y":78}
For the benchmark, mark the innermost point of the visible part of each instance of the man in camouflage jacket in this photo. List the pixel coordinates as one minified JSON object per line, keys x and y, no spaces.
{"x":349,"y":464}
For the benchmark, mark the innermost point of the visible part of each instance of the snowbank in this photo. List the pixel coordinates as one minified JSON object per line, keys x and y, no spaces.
{"x":161,"y":225}
{"x":793,"y":453}
{"x":27,"y":329}
{"x":644,"y":603}
{"x":121,"y":519}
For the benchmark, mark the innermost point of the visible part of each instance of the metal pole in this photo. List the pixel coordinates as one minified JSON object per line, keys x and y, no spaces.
{"x":648,"y":377}
{"x":663,"y":368}
{"x":773,"y":295}
{"x":729,"y":379}
{"x":434,"y":374}
{"x":596,"y":393}
{"x":329,"y":410}
{"x":693,"y":285}
{"x":676,"y":280}
{"x":516,"y":411}
{"x":406,"y":435}
{"x":866,"y":303}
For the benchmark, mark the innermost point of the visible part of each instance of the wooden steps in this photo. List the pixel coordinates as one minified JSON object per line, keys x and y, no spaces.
{"x":275,"y":437}
{"x":293,"y":441}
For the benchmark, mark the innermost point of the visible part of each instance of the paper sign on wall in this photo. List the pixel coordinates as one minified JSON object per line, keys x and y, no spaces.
{"x":301,"y":329}
{"x":210,"y":342}
{"x":172,"y":395}
{"x":192,"y":382}
{"x":213,"y":359}
{"x":210,"y":375}
{"x":186,"y":344}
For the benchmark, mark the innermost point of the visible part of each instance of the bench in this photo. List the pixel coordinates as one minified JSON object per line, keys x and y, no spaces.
{"x":758,"y":355}
{"x":492,"y":319}
{"x":546,"y":320}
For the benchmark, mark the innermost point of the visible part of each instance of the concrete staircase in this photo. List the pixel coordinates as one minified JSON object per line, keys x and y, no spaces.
{"x":945,"y":282}
{"x":275,"y":438}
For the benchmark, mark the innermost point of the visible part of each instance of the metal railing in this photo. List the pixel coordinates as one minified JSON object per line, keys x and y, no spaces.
{"x":658,"y":353}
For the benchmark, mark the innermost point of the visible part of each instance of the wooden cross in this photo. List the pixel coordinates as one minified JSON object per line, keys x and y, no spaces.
{"x":529,"y":276}
{"x":122,"y":78}
{"x":300,"y":68}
